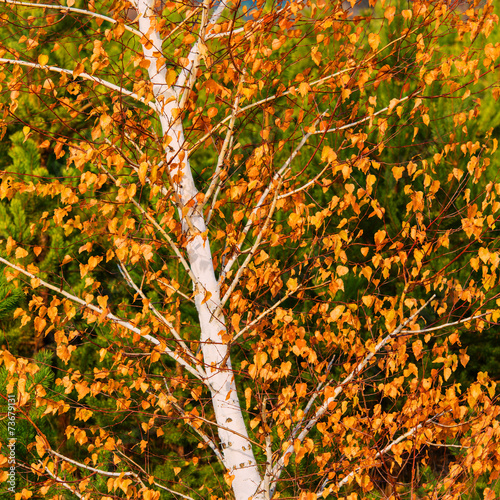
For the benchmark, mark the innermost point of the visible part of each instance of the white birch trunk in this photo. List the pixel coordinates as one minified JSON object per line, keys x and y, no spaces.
{"x":236,"y":447}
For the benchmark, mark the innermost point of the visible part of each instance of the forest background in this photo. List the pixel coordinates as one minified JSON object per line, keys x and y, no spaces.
{"x":390,"y":204}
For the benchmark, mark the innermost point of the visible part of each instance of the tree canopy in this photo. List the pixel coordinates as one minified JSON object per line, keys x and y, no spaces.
{"x":249,"y":251}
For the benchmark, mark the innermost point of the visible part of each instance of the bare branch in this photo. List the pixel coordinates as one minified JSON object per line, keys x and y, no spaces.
{"x":305,"y":186}
{"x":175,"y":290}
{"x":320,"y":81}
{"x":366,"y":118}
{"x":227,"y":140}
{"x":386,"y":449}
{"x":278,"y":176}
{"x":263,"y":314}
{"x":258,"y":103}
{"x":188,"y":419}
{"x":162,"y":231}
{"x":188,"y":74}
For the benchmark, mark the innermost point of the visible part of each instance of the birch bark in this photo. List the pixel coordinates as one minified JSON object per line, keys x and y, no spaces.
{"x":237,"y":450}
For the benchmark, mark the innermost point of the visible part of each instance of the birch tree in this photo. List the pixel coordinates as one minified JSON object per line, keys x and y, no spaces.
{"x":238,"y":166}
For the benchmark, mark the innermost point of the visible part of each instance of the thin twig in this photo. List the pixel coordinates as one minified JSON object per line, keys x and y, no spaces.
{"x":386,"y":449}
{"x":305,"y":186}
{"x":366,"y":118}
{"x":188,"y":419}
{"x":263,"y":314}
{"x":159,"y":228}
{"x":278,"y":176}
{"x":115,"y":474}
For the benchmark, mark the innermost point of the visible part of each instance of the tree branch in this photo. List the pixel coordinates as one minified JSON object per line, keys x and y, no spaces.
{"x":58,"y":480}
{"x":155,"y":311}
{"x":386,"y":449}
{"x":188,"y":74}
{"x":72,"y":9}
{"x":187,"y":419}
{"x":110,"y":316}
{"x":446,"y":325}
{"x":278,"y":176}
{"x":263,"y":314}
{"x":227,"y":139}
{"x":115,"y":474}
{"x":250,"y":255}
{"x":84,"y":75}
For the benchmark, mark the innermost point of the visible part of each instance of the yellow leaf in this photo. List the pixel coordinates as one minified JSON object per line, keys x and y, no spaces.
{"x":79,"y":68}
{"x":66,"y":259}
{"x":380,"y":237}
{"x":188,"y":39}
{"x":368,"y":300}
{"x":342,"y":270}
{"x":292,"y":284}
{"x":207,"y":297}
{"x":171,"y":76}
{"x":316,"y":55}
{"x":43,"y":59}
{"x":373,"y":41}
{"x":397,"y":172}
{"x":40,"y":446}
{"x":407,"y":14}
{"x":131,"y":190}
{"x":304,"y":88}
{"x":489,"y":494}
{"x":143,"y":169}
{"x":426,"y":119}
{"x":484,"y":254}
{"x":276,"y":44}
{"x":20,"y":253}
{"x":389,"y":13}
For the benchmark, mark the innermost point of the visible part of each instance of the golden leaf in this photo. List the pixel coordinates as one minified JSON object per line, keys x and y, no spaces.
{"x":79,"y":68}
{"x":43,"y":59}
{"x":389,"y":13}
{"x":373,"y":41}
{"x":171,"y":76}
{"x":20,"y":253}
{"x":143,"y":169}
{"x":207,"y":297}
{"x":397,"y":172}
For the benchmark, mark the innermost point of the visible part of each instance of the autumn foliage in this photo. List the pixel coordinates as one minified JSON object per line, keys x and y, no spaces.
{"x":256,"y":245}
